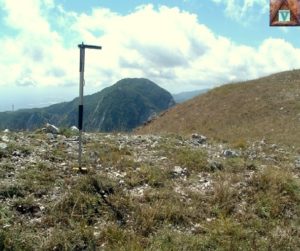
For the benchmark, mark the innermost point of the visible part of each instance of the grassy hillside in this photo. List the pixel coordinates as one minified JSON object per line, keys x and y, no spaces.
{"x":267,"y":108}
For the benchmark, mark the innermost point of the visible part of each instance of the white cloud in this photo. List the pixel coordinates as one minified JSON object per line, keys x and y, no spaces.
{"x":167,"y":45}
{"x":25,"y":15}
{"x":27,"y":56}
{"x":244,"y":11}
{"x":173,"y":48}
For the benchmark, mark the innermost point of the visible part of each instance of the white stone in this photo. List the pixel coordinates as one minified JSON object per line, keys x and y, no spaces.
{"x":230,"y":153}
{"x":3,"y":145}
{"x":154,"y":144}
{"x":74,"y":129}
{"x":5,"y":139}
{"x":200,"y":139}
{"x":50,"y":136}
{"x":51,"y":129}
{"x":178,"y":170}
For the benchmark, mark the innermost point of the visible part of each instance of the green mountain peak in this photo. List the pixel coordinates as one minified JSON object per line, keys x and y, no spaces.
{"x":121,"y":107}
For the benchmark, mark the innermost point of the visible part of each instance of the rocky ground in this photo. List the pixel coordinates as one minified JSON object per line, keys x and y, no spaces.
{"x":146,"y":192}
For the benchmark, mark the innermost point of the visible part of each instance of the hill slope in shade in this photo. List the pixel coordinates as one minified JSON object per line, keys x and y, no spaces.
{"x":121,"y":107}
{"x":268,"y":108}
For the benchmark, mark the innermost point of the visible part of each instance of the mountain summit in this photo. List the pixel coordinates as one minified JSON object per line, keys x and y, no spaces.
{"x":121,"y":107}
{"x":126,"y":105}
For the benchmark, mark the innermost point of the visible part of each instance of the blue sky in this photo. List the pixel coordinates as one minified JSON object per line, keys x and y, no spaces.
{"x":181,"y":45}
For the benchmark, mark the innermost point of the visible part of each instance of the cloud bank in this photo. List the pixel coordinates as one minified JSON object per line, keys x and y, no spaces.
{"x":167,"y":45}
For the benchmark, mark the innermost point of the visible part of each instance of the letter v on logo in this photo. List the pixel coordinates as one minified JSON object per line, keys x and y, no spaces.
{"x":284,"y":15}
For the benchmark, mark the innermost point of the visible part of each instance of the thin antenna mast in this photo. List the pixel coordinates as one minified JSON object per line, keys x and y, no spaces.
{"x":82,"y":48}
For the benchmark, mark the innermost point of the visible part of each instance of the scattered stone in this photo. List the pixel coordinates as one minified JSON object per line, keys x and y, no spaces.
{"x":179,"y":190}
{"x":215,"y":166}
{"x":16,"y":154}
{"x":5,"y":139}
{"x":297,"y":163}
{"x":6,"y":131}
{"x":154,"y":144}
{"x":96,"y":234}
{"x":50,"y":136}
{"x":58,"y":155}
{"x":203,"y":185}
{"x":3,"y":146}
{"x":139,"y":191}
{"x":51,"y":129}
{"x":74,"y":129}
{"x":199,"y":139}
{"x":262,"y":142}
{"x":42,"y":208}
{"x":179,"y":171}
{"x":230,"y":153}
{"x":274,"y":146}
{"x":28,"y":209}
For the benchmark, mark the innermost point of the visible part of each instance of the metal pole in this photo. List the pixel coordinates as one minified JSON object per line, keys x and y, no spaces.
{"x":80,"y":108}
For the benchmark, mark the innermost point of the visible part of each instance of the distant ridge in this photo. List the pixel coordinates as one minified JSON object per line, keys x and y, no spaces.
{"x":121,"y":107}
{"x":267,"y":107}
{"x":184,"y":96}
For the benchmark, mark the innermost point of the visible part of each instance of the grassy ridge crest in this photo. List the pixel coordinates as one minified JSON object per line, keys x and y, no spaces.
{"x":267,"y":107}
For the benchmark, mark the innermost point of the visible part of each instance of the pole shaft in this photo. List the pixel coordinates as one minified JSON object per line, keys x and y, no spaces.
{"x":80,"y":108}
{"x":81,"y":84}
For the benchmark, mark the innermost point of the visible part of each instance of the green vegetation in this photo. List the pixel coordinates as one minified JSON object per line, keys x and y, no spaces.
{"x":193,"y":160}
{"x":68,"y":132}
{"x":121,"y":107}
{"x":131,"y":199}
{"x":233,"y":191}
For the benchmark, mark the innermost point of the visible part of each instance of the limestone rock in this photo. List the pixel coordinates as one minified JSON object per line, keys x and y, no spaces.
{"x":230,"y":153}
{"x":215,"y":166}
{"x":50,"y":136}
{"x":179,"y":171}
{"x":74,"y":129}
{"x":52,"y":129}
{"x":200,"y":139}
{"x":297,"y":163}
{"x":3,"y":146}
{"x":5,"y":139}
